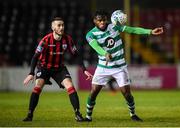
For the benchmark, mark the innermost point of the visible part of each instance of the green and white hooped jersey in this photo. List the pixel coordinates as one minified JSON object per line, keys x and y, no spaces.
{"x":111,"y":42}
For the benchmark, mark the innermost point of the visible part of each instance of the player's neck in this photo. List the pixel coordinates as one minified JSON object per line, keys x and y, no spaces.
{"x":57,"y":36}
{"x":104,"y":29}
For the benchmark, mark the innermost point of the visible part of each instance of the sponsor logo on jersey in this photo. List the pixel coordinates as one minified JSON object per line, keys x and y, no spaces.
{"x":56,"y":53}
{"x":51,"y":45}
{"x":109,"y":42}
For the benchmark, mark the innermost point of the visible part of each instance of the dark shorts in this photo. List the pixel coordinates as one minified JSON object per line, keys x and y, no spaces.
{"x":57,"y":74}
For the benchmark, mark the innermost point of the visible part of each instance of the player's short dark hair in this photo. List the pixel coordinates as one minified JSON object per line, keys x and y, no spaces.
{"x":57,"y":18}
{"x":101,"y":13}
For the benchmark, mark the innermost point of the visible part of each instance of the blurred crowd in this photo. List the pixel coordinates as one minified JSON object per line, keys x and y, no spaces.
{"x":23,"y":24}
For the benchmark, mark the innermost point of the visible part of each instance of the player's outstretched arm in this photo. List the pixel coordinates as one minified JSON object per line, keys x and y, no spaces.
{"x":94,"y":44}
{"x":100,"y":51}
{"x":139,"y":30}
{"x":28,"y":79}
{"x":76,"y":54}
{"x":157,"y":31}
{"x":33,"y":66}
{"x":88,"y":74}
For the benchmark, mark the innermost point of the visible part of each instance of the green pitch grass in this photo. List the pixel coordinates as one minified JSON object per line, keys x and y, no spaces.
{"x":156,"y":108}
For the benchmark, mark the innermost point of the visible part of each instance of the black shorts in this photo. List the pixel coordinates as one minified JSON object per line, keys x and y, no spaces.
{"x":57,"y":74}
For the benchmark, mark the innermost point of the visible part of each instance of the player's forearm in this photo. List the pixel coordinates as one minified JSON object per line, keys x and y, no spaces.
{"x":33,"y":63}
{"x":81,"y":64}
{"x":97,"y":48}
{"x":80,"y":60}
{"x":137,"y":30}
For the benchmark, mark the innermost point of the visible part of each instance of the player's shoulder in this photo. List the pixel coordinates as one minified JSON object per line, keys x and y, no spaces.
{"x":116,"y":27}
{"x":111,"y":26}
{"x":91,"y":31}
{"x":67,"y":36}
{"x":49,"y":35}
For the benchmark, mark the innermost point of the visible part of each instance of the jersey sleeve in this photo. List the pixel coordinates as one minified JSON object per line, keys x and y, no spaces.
{"x":137,"y":30}
{"x":89,"y":37}
{"x":97,"y":48}
{"x":74,"y":51}
{"x":94,"y":44}
{"x":71,"y":46}
{"x":34,"y":63}
{"x":120,"y":28}
{"x":41,"y":46}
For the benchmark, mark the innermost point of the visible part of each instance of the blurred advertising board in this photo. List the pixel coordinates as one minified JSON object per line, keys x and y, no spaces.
{"x":143,"y":77}
{"x":179,"y":76}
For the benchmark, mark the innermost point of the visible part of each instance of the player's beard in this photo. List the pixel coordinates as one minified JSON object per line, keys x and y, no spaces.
{"x":58,"y":35}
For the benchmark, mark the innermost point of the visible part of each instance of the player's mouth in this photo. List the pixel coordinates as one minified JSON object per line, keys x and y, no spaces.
{"x":102,"y":26}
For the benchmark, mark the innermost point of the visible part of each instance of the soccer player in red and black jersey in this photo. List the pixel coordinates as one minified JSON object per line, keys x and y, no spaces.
{"x":48,"y":59}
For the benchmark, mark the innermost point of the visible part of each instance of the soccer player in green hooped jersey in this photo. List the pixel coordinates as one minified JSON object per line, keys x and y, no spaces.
{"x":104,"y":38}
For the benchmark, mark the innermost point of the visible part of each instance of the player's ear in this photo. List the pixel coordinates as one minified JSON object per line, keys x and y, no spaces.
{"x":52,"y":26}
{"x":94,"y":20}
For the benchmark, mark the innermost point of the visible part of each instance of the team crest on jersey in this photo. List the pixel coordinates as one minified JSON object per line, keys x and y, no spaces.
{"x":109,"y":42}
{"x":64,"y":46}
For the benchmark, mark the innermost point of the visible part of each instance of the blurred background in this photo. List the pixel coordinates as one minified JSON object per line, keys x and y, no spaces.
{"x":153,"y":60}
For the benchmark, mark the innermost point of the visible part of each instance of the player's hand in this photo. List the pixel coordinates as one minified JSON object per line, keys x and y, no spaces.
{"x":108,"y":58}
{"x":89,"y":75}
{"x":157,"y":31}
{"x":28,"y":79}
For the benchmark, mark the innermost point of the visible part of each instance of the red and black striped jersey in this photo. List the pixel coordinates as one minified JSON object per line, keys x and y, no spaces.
{"x":52,"y":51}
